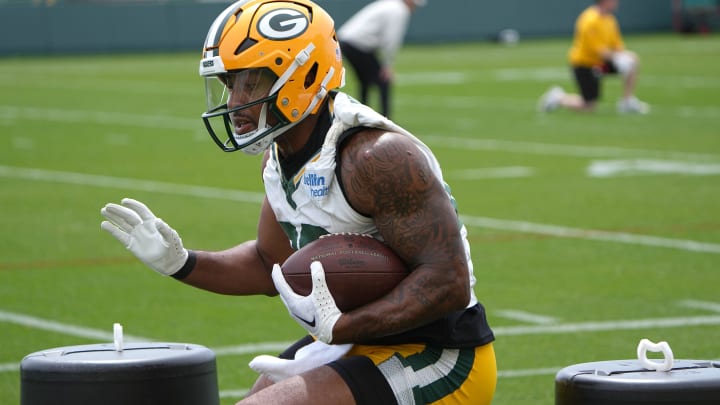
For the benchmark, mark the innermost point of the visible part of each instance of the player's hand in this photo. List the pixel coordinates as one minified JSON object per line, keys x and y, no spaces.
{"x":145,"y":235}
{"x":317,"y":312}
{"x":306,"y":358}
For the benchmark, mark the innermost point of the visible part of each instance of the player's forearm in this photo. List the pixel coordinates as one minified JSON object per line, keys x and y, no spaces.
{"x":424,"y":296}
{"x":236,"y":271}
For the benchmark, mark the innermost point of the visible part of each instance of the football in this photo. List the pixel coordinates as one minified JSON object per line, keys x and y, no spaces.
{"x":358,"y":268}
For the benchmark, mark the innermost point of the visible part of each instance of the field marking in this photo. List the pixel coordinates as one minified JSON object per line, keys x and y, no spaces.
{"x":179,"y":123}
{"x":493,"y":173}
{"x":9,"y":112}
{"x":80,"y":331}
{"x":132,"y":184}
{"x":628,"y":167}
{"x":91,"y":333}
{"x":239,"y":393}
{"x":528,"y":106}
{"x":525,"y":317}
{"x":252,"y":197}
{"x":649,"y":323}
{"x":591,"y":234}
{"x":582,"y":151}
{"x":168,"y":122}
{"x":63,"y":328}
{"x":544,"y":74}
{"x":710,"y":306}
{"x":604,"y":326}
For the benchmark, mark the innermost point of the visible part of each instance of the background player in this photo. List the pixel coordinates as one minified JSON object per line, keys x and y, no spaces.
{"x":370,"y":40}
{"x":598,"y":50}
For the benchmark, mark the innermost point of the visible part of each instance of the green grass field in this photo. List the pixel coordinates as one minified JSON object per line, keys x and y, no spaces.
{"x":572,"y":267}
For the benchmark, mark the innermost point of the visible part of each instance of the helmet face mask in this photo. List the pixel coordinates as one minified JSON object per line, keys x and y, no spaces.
{"x":267,"y":64}
{"x":240,"y":113}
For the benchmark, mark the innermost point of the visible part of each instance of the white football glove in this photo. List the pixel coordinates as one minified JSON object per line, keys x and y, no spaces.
{"x":317,"y":312}
{"x":308,"y":357}
{"x":145,"y":235}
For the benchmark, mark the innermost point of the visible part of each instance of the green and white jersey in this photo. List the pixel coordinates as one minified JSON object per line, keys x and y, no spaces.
{"x":310,"y":203}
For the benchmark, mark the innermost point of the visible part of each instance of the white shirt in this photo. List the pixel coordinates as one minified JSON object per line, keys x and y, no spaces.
{"x":380,"y":25}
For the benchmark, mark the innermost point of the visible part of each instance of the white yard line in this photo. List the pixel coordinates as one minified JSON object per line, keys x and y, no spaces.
{"x":63,"y":328}
{"x":549,"y":149}
{"x":634,"y":324}
{"x":525,"y":317}
{"x":130,"y":184}
{"x":521,"y":330}
{"x":630,"y":167}
{"x":590,"y":234}
{"x":551,"y":73}
{"x":251,"y":197}
{"x":240,"y":393}
{"x":493,"y":173}
{"x":274,"y":347}
{"x":99,"y":117}
{"x":710,"y":306}
{"x":185,"y":123}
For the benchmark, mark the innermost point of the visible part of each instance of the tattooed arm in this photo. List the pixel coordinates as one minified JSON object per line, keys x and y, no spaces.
{"x":387,"y":177}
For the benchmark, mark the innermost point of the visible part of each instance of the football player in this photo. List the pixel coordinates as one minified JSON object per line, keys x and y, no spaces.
{"x":272,"y":69}
{"x":597,"y":50}
{"x":370,"y":40}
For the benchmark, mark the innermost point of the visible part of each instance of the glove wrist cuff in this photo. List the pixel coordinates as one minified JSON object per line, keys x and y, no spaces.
{"x":187,"y":268}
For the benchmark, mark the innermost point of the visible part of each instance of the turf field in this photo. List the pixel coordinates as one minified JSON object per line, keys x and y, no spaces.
{"x":589,"y":232}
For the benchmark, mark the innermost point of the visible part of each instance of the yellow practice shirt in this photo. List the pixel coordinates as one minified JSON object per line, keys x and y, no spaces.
{"x":594,"y":32}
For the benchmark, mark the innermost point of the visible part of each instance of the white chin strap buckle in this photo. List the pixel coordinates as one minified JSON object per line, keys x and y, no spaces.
{"x":663,"y":347}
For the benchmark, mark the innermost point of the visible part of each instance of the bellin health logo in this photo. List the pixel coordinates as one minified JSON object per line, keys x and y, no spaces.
{"x":316,"y":185}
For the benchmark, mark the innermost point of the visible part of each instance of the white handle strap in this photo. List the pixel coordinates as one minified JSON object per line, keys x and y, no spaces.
{"x":118,"y":337}
{"x":663,"y":347}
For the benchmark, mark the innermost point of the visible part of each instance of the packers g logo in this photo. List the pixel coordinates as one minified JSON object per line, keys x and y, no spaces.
{"x":284,"y":23}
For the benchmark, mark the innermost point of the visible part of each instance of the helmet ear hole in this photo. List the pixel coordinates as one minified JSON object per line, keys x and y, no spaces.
{"x":244,"y":45}
{"x":311,"y":75}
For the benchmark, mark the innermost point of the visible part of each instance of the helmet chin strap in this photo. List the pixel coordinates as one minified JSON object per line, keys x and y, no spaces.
{"x":300,"y":59}
{"x":262,"y":144}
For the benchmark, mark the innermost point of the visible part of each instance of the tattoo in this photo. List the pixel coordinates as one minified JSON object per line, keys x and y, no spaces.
{"x":419,"y":291}
{"x":388,"y":178}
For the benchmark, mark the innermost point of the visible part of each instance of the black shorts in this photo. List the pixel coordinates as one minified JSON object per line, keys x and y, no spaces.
{"x":366,"y":64}
{"x":588,"y":79}
{"x":357,"y":372}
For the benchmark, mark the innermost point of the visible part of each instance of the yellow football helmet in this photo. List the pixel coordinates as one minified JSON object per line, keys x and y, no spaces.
{"x":281,"y":54}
